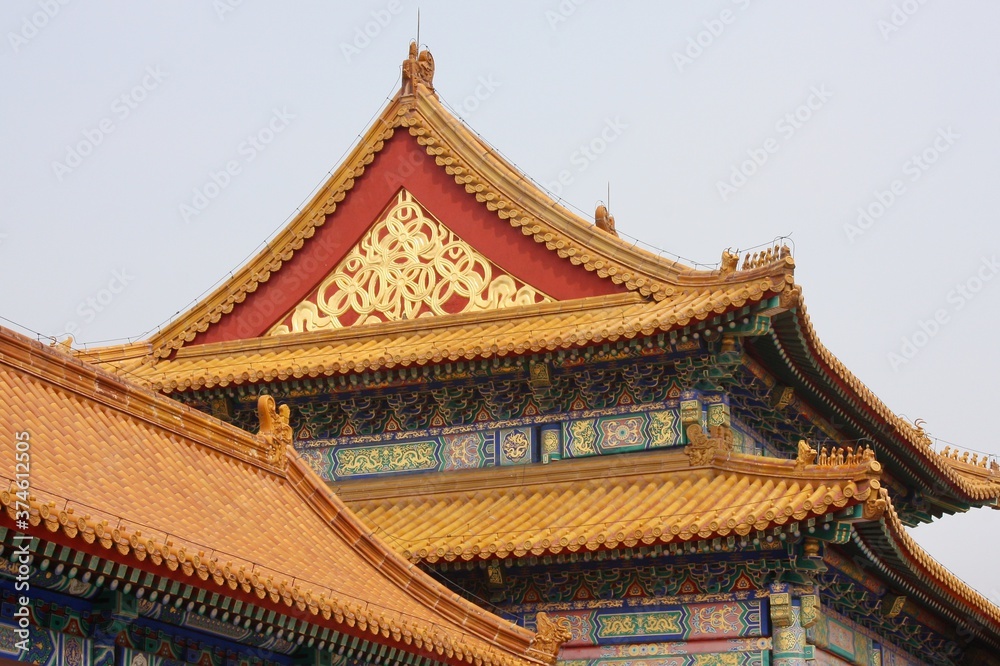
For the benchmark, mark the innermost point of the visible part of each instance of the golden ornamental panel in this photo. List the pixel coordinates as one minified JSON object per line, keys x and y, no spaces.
{"x":414,"y":456}
{"x":659,"y":623}
{"x":407,"y":265}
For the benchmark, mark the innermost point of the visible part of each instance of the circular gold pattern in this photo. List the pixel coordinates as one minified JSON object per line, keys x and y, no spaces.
{"x":515,"y":445}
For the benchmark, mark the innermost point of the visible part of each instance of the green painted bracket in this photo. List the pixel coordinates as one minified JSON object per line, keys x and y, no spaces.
{"x":835,"y":532}
{"x":757,"y":325}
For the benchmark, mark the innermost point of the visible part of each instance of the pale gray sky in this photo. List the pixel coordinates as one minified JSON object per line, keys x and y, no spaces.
{"x":117,"y":113}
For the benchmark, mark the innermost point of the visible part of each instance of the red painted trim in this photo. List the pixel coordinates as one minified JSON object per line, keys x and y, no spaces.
{"x":404,"y":163}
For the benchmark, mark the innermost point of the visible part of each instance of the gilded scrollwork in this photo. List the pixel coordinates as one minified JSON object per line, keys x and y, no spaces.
{"x":639,"y":624}
{"x":617,"y":625}
{"x":550,"y":445}
{"x":408,"y":265}
{"x":539,"y":374}
{"x":892,"y":605}
{"x":390,"y":458}
{"x":583,"y":437}
{"x":810,"y":610}
{"x":781,"y":610}
{"x":690,"y":412}
{"x":661,"y":428}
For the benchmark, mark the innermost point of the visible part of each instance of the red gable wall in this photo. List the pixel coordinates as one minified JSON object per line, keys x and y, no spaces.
{"x":404,"y":163}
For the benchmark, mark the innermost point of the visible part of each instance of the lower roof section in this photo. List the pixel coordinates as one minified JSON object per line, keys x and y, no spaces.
{"x":150,"y":483}
{"x":794,"y":354}
{"x":640,"y":499}
{"x":651,"y":498}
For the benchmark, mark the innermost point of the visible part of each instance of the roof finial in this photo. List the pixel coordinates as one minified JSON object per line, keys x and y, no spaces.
{"x":417,"y":68}
{"x":550,"y":634}
{"x":275,"y":431}
{"x":730,"y":261}
{"x":604,"y":220}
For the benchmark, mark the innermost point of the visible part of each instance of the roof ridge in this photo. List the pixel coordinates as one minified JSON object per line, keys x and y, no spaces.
{"x":405,"y":326}
{"x":339,"y":517}
{"x":635,"y":464}
{"x":659,"y":499}
{"x":568,"y":234}
{"x":566,"y":325}
{"x":290,"y":239}
{"x":50,"y":365}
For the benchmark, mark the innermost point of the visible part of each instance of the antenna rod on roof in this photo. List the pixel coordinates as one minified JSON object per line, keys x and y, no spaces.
{"x":418,"y":28}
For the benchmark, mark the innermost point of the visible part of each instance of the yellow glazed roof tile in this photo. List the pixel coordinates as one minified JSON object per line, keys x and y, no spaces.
{"x":514,"y":330}
{"x":591,"y":504}
{"x":156,"y":483}
{"x":665,"y":295}
{"x":644,"y":499}
{"x":675,"y":294}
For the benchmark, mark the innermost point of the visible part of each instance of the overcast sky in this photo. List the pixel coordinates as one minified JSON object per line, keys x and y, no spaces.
{"x":868,"y":131}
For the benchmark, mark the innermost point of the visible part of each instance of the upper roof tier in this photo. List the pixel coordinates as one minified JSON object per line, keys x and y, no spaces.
{"x":426,"y":246}
{"x":426,"y":218}
{"x":170,"y":490}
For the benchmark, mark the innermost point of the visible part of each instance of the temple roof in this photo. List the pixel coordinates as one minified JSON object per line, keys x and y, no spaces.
{"x":794,"y":352}
{"x":651,"y":498}
{"x":601,"y":503}
{"x":584,"y":286}
{"x":168,"y":489}
{"x":553,"y":245}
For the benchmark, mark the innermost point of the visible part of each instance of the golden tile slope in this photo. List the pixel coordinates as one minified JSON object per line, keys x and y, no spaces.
{"x":514,"y":330}
{"x":155,"y":482}
{"x":598,"y":503}
{"x":984,"y":474}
